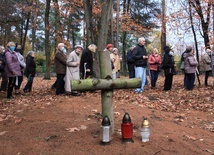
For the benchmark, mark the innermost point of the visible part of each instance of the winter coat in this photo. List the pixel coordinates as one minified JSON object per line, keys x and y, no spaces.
{"x":190,"y":63}
{"x":21,"y":60}
{"x":88,"y":59}
{"x":130,"y":61}
{"x":168,"y":64}
{"x":72,"y":70}
{"x":206,"y":60}
{"x":137,"y":54}
{"x":60,"y":62}
{"x":116,"y":61}
{"x":30,"y":69}
{"x":154,"y":61}
{"x":12,"y":67}
{"x":2,"y":62}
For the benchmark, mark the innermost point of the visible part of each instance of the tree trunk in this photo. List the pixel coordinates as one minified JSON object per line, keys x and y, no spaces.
{"x":89,"y":22}
{"x":47,"y":42}
{"x":33,"y":21}
{"x":105,"y":64}
{"x":58,"y":24}
{"x":163,"y":31}
{"x":194,"y":34}
{"x":26,"y":30}
{"x":105,"y":84}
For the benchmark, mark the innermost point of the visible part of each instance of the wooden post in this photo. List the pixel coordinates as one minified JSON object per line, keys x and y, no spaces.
{"x":106,"y":85}
{"x":107,"y":95}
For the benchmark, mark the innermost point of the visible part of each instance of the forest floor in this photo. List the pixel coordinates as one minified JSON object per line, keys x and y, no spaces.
{"x":41,"y":123}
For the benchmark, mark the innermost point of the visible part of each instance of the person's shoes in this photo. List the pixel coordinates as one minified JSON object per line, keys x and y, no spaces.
{"x":75,"y":94}
{"x":24,"y":90}
{"x":153,"y":88}
{"x":18,"y":93}
{"x":10,"y":97}
{"x":139,"y":91}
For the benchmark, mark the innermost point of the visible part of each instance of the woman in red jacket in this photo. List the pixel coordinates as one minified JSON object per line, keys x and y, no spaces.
{"x":154,"y":61}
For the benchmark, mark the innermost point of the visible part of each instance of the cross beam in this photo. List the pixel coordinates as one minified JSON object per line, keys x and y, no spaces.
{"x":105,"y":84}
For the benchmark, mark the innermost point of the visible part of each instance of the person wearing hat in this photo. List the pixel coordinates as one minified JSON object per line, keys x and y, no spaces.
{"x":73,"y":70}
{"x":206,"y":60}
{"x":190,"y":68}
{"x":60,"y":68}
{"x":109,"y":48}
{"x":168,"y":65}
{"x":86,"y":62}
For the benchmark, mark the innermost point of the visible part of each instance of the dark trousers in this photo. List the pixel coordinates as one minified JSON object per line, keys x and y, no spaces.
{"x":190,"y":79}
{"x":4,"y":81}
{"x":131,"y":74}
{"x":20,"y":79}
{"x":28,"y":86}
{"x":10,"y":86}
{"x":168,"y":82}
{"x":60,"y":89}
{"x":154,"y":77}
{"x":207,"y":74}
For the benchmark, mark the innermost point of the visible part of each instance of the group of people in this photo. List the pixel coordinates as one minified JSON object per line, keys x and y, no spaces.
{"x":13,"y":68}
{"x":189,"y":65}
{"x":138,"y":60}
{"x":78,"y":64}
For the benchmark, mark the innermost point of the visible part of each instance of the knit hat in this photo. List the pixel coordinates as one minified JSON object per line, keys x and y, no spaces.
{"x":78,"y":46}
{"x":109,"y":46}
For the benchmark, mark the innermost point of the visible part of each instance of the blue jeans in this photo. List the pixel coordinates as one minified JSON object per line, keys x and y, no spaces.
{"x":140,"y":72}
{"x":154,"y":77}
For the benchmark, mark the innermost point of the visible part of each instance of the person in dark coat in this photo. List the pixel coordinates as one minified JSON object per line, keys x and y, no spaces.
{"x":30,"y":71}
{"x":131,"y":63}
{"x":86,"y":62}
{"x":168,"y":67}
{"x":60,"y":68}
{"x":140,"y":56}
{"x":12,"y":68}
{"x":4,"y":80}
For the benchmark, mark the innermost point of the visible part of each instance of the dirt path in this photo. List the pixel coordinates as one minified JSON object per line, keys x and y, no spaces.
{"x":41,"y":123}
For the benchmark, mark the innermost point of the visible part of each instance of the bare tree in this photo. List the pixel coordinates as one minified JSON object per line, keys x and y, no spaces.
{"x":163,"y":28}
{"x":47,"y":42}
{"x":204,"y":15}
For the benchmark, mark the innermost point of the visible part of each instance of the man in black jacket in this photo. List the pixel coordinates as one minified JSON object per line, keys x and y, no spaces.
{"x":140,"y":56}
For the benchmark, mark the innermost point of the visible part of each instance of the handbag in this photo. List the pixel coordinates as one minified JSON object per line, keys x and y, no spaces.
{"x":182,"y":65}
{"x":159,"y":68}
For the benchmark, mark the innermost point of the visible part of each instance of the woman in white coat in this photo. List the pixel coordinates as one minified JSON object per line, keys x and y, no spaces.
{"x":73,"y":69}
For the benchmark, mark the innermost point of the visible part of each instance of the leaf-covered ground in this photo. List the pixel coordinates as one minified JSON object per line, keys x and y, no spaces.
{"x":40,"y":122}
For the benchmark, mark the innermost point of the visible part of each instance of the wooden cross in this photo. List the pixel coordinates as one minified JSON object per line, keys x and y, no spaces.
{"x":106,"y":84}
